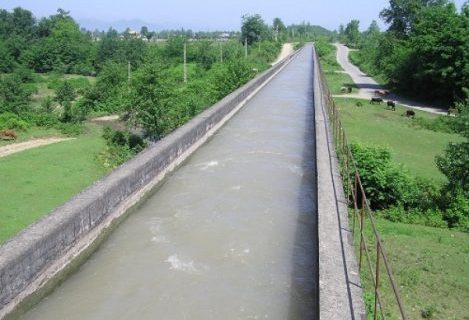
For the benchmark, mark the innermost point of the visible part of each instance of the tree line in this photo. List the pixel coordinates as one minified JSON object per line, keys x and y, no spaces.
{"x":424,"y":52}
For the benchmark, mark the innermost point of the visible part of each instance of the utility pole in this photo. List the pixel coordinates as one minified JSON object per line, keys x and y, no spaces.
{"x":128,"y":72}
{"x":185,"y":62}
{"x":246,"y":47}
{"x":221,"y":52}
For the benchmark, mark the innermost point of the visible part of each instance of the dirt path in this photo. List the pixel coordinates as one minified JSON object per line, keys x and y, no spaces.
{"x":287,"y":49}
{"x":106,"y":118}
{"x":367,"y":86}
{"x":18,"y":147}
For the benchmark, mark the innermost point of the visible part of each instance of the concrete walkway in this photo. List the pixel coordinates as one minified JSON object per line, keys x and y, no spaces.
{"x":367,"y":86}
{"x":340,"y":292}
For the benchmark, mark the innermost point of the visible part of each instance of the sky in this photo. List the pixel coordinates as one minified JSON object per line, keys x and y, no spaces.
{"x":208,"y":15}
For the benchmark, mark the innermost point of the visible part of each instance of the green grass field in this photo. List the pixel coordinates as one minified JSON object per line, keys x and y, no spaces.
{"x":32,"y":133}
{"x":413,"y":147}
{"x":38,"y":180}
{"x":430,"y":266}
{"x":336,"y":78}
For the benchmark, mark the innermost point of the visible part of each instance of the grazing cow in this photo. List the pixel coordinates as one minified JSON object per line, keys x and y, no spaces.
{"x":349,"y":89}
{"x":343,"y":89}
{"x":392,"y":105}
{"x":410,"y":113}
{"x":8,"y":133}
{"x":377,"y":100}
{"x":381,"y":93}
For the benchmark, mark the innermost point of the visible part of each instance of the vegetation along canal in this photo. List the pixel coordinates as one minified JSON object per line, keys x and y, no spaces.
{"x":230,"y":234}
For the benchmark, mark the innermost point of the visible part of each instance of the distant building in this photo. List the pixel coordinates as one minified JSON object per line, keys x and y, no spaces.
{"x":225,"y":36}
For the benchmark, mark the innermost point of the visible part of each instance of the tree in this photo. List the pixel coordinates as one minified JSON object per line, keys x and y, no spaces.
{"x":6,"y":60}
{"x":352,"y":34}
{"x":64,"y":95}
{"x":279,"y":28}
{"x":454,"y":164}
{"x":253,"y":29}
{"x":150,"y":99}
{"x":65,"y":48}
{"x":440,"y":43}
{"x":145,"y":33}
{"x":230,"y":76}
{"x":14,"y":94}
{"x":402,"y":14}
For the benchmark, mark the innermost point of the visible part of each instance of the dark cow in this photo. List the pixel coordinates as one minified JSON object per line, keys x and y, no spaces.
{"x":392,"y":105}
{"x":376,"y":100}
{"x":349,"y":89}
{"x":410,"y":113}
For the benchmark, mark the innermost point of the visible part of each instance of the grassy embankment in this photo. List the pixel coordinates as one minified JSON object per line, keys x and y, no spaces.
{"x":45,"y":85}
{"x":430,"y":264}
{"x":336,"y":78}
{"x":36,"y":181}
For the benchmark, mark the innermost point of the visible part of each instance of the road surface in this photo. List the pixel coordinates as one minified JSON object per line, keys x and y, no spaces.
{"x":367,"y":85}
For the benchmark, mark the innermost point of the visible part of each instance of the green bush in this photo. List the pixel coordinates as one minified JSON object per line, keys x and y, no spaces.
{"x":121,"y":147}
{"x":71,"y":128}
{"x":385,"y":183}
{"x":430,"y":217}
{"x":12,"y":121}
{"x":323,"y":47}
{"x":457,"y":210}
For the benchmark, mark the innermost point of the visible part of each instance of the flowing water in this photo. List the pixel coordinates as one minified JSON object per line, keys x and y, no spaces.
{"x":229,"y":235}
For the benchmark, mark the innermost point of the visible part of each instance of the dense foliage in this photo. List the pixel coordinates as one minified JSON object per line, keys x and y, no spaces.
{"x":424,"y":53}
{"x":399,"y":196}
{"x":54,"y":74}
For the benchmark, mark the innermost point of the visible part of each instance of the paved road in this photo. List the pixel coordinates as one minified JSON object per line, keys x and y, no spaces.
{"x":367,"y":85}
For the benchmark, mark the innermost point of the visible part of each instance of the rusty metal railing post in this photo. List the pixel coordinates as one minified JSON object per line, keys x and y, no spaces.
{"x":375,"y":315}
{"x":362,"y":227}
{"x":355,"y":205}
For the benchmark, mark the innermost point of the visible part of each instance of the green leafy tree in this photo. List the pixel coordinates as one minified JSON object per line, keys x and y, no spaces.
{"x":65,"y":49}
{"x":14,"y":94}
{"x":454,"y":164}
{"x":150,"y":99}
{"x":253,"y":29}
{"x":440,"y":53}
{"x":230,"y":76}
{"x":279,"y":29}
{"x":64,"y":95}
{"x":402,"y":14}
{"x":7,"y":62}
{"x":352,"y":34}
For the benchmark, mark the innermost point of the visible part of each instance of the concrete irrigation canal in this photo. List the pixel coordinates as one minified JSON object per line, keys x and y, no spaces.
{"x":233,"y":232}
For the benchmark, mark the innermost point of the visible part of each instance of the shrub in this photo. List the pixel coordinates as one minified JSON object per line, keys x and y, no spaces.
{"x":454,"y":164}
{"x":40,"y":119}
{"x":12,"y":121}
{"x":385,"y":183}
{"x":457,"y":213}
{"x":121,"y":147}
{"x":71,"y":129}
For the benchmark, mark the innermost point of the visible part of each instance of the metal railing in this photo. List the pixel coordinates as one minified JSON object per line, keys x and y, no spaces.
{"x":370,"y":244}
